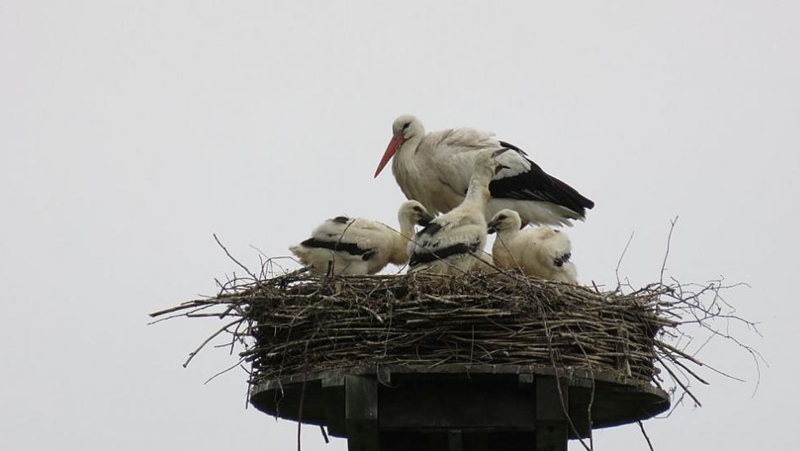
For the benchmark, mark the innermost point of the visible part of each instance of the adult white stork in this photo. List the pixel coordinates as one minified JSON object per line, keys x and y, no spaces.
{"x":541,"y":252}
{"x":435,"y":169}
{"x":360,"y":246}
{"x":450,"y":242}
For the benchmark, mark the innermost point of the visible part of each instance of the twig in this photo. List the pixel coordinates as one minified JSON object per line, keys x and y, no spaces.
{"x":619,"y":262}
{"x":234,"y":259}
{"x":649,"y":444}
{"x":300,"y":413}
{"x":205,"y":342}
{"x":672,"y":223}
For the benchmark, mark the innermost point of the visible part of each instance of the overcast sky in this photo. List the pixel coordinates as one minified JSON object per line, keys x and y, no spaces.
{"x":132,"y":131}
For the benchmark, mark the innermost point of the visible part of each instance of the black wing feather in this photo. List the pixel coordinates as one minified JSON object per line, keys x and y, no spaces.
{"x":538,"y":185}
{"x":430,"y":255}
{"x":561,"y":260}
{"x":508,"y":145}
{"x":350,"y":248}
{"x":431,"y":229}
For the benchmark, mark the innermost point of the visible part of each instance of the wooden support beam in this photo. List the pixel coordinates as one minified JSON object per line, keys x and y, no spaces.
{"x":453,"y":405}
{"x":551,"y":436}
{"x":552,"y":423}
{"x":361,"y":413}
{"x":333,"y":396}
{"x":525,"y":380}
{"x":552,"y":398}
{"x":455,"y":441}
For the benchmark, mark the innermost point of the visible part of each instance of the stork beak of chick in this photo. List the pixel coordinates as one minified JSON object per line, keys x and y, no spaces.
{"x":424,"y":219}
{"x":499,"y":152}
{"x":396,"y":142}
{"x":499,"y":168}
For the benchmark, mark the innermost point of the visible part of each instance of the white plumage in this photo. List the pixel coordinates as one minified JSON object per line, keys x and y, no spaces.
{"x":435,"y":169}
{"x":541,"y":252}
{"x":360,"y":246}
{"x":448,"y":244}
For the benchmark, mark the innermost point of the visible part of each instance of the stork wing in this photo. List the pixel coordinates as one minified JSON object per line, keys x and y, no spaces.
{"x":554,"y":245}
{"x":446,"y":224}
{"x":427,"y":255}
{"x":443,"y":239}
{"x":522,"y":179}
{"x":357,"y":237}
{"x":463,"y":140}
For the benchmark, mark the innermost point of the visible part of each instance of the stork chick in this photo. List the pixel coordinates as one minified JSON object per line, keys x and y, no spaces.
{"x":360,"y":246}
{"x":540,"y":252}
{"x":448,"y":244}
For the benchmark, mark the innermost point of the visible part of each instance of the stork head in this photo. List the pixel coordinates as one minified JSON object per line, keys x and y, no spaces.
{"x":413,"y":212}
{"x":486,"y":164}
{"x":505,"y":220}
{"x":405,"y":128}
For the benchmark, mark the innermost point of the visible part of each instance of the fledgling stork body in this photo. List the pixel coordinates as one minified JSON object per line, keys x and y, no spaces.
{"x":435,"y":169}
{"x":540,"y":252}
{"x":360,"y":246}
{"x":450,"y":242}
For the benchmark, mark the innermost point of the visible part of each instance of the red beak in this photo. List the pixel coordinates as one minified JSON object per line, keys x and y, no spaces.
{"x":396,"y":142}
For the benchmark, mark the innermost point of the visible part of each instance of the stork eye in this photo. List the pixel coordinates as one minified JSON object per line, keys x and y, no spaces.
{"x":418,"y":210}
{"x":501,"y":217}
{"x":406,"y":125}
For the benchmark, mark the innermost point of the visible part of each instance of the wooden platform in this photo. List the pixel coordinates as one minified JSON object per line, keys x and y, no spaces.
{"x":459,"y":407}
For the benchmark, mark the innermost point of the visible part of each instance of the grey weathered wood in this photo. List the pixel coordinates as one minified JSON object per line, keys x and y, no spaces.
{"x":495,"y":407}
{"x":361,"y":413}
{"x":576,"y":376}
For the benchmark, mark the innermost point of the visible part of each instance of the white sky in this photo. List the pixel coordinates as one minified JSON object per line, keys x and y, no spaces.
{"x":132,"y":131}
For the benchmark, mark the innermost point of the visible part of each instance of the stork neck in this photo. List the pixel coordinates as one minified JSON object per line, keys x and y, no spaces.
{"x":404,"y":165}
{"x":406,"y":226}
{"x":478,"y":191}
{"x":407,"y":151}
{"x":507,"y":233}
{"x":398,"y":254}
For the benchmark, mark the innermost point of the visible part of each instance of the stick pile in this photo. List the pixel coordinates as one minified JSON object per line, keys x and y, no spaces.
{"x":298,"y":322}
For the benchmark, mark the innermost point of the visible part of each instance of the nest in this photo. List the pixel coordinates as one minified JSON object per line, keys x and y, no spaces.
{"x":304,"y":323}
{"x":298,"y":323}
